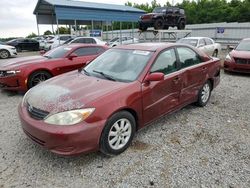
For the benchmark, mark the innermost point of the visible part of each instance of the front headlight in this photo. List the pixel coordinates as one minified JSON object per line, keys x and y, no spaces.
{"x":9,"y":73}
{"x":69,"y":117}
{"x":228,"y":58}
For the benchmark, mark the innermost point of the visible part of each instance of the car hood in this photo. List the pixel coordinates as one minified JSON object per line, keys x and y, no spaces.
{"x":240,"y":54}
{"x":70,"y":91}
{"x":6,"y":46}
{"x":150,"y":15}
{"x":17,"y":62}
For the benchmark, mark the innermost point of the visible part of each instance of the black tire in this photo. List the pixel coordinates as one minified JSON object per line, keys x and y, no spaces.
{"x":166,"y":27}
{"x":38,"y":77}
{"x":159,"y":24}
{"x":4,"y":54}
{"x":181,"y":25}
{"x":143,"y":28}
{"x":203,"y":95}
{"x":215,"y":53}
{"x":18,"y":49}
{"x":115,"y":120}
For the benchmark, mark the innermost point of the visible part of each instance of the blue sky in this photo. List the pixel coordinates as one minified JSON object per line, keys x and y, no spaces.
{"x":17,"y":19}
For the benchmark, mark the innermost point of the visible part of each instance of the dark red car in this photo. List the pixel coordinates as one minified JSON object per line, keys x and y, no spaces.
{"x":25,"y":72}
{"x":118,"y":93}
{"x":238,"y":60}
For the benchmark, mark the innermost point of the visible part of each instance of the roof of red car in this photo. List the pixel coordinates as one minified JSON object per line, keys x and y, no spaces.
{"x":146,"y":46}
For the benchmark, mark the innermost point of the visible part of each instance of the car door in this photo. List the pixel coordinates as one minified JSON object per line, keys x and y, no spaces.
{"x":210,"y":46}
{"x":160,"y":97}
{"x":84,"y":55}
{"x":194,"y":73}
{"x":202,"y":45}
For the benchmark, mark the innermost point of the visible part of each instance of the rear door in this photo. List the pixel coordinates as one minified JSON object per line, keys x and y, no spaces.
{"x":210,"y":46}
{"x":160,"y":97}
{"x":194,"y":73}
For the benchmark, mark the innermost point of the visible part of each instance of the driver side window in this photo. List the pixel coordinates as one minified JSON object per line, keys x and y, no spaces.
{"x":165,"y":62}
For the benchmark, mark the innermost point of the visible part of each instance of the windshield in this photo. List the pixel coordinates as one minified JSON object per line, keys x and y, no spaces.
{"x":119,"y":64}
{"x":114,"y":39}
{"x":159,"y":10}
{"x":2,"y":43}
{"x":58,"y":52}
{"x":192,"y":42}
{"x":243,"y":46}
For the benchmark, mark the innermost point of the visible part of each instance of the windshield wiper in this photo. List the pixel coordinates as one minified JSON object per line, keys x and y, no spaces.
{"x":86,"y":72}
{"x":105,"y":75}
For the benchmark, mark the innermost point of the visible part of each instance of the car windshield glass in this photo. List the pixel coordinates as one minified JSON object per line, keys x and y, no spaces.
{"x":114,"y":39}
{"x":159,"y":10}
{"x":2,"y":43}
{"x":243,"y":46}
{"x":192,"y":42}
{"x":119,"y":64}
{"x":57,"y":52}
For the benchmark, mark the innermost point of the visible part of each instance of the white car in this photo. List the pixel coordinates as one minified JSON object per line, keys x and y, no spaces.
{"x":41,"y":41}
{"x":7,"y":51}
{"x":125,"y":40}
{"x":205,"y":44}
{"x":56,"y":41}
{"x":86,"y":40}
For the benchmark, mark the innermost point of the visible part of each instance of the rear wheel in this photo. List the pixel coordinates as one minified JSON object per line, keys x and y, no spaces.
{"x":158,"y":24}
{"x":204,"y":94}
{"x":4,"y":54}
{"x":37,"y":78}
{"x":18,"y":49}
{"x":181,"y":25}
{"x":215,"y":53}
{"x":117,"y":133}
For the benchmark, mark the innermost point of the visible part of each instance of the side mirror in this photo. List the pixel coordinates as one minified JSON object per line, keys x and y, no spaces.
{"x":88,"y":62}
{"x":72,"y":56}
{"x":156,"y":76}
{"x":230,"y":47}
{"x":42,"y":52}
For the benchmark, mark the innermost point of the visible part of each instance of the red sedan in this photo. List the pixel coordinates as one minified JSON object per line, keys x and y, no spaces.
{"x":118,"y":93}
{"x":26,"y":72}
{"x":238,"y":60}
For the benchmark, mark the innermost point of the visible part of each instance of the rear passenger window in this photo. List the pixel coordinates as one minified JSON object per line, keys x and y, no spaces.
{"x":87,"y":51}
{"x":188,"y":57}
{"x":165,"y":62}
{"x":208,"y":41}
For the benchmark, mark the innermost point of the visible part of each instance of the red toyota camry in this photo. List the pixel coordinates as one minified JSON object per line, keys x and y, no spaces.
{"x":238,"y":60}
{"x":121,"y":91}
{"x":26,"y":72}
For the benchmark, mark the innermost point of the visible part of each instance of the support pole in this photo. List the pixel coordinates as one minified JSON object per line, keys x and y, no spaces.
{"x":133,"y":32}
{"x":107,"y":28}
{"x":112,"y":34}
{"x":120,"y":32}
{"x":52,"y":22}
{"x":37,"y":24}
{"x":75,"y":28}
{"x":92,"y":25}
{"x":58,"y":33}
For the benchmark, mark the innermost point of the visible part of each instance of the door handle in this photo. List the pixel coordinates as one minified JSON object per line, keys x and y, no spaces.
{"x":204,"y":68}
{"x":176,"y":79}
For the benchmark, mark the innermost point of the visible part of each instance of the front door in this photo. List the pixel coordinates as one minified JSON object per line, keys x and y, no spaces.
{"x":160,"y":97}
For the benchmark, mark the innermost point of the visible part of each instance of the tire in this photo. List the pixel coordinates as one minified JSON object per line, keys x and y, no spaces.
{"x":111,"y":143}
{"x":38,"y":77}
{"x":4,"y":54}
{"x":143,"y":28}
{"x":18,"y":49}
{"x":204,"y":94}
{"x":159,"y":24}
{"x":181,"y":25}
{"x":215,"y":53}
{"x":166,"y":27}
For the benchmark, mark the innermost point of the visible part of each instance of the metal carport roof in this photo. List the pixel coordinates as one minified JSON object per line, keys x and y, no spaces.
{"x":66,"y":11}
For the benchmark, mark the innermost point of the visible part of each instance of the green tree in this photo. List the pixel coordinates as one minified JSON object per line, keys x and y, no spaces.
{"x":31,"y":35}
{"x":63,"y":30}
{"x":48,"y":32}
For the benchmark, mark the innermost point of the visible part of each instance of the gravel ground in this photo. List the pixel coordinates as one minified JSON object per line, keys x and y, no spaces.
{"x":194,"y":147}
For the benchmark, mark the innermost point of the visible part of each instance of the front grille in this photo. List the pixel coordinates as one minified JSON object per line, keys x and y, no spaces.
{"x":35,"y":139}
{"x":36,"y":113}
{"x":242,"y":61}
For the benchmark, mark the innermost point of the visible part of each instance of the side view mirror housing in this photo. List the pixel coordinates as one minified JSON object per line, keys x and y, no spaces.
{"x":42,"y":52}
{"x":156,"y":76}
{"x":72,"y":56}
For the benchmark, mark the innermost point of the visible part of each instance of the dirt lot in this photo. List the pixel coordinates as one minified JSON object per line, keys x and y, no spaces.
{"x":195,"y":147}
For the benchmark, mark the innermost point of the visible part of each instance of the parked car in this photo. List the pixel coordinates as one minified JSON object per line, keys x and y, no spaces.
{"x":163,"y":18}
{"x":7,"y":51}
{"x":205,"y":44}
{"x":24,"y":73}
{"x":41,"y":40}
{"x":125,"y":40}
{"x":118,"y":93}
{"x":238,"y":60}
{"x":56,"y":41}
{"x":24,"y":44}
{"x":86,"y":40}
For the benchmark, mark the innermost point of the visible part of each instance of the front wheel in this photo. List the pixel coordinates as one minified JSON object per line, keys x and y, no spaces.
{"x":181,"y":25}
{"x":158,"y":24}
{"x":204,"y":94}
{"x":117,"y":133}
{"x":215,"y":53}
{"x":37,"y":78}
{"x":4,"y":54}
